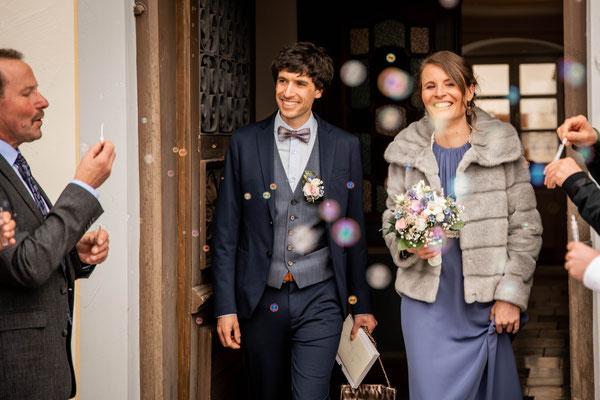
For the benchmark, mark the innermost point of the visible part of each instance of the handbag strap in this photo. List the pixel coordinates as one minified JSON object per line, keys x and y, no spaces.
{"x":379,"y":358}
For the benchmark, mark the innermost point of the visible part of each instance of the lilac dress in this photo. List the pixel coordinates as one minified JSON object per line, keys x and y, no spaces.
{"x":453,"y":350}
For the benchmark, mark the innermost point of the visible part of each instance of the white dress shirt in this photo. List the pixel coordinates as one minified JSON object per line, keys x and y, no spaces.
{"x":591,"y":276}
{"x":294,"y":153}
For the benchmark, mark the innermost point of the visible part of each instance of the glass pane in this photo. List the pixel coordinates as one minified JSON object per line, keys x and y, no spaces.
{"x":419,"y":40}
{"x":499,"y":108}
{"x":540,"y":147}
{"x":492,"y":79}
{"x":359,"y":41}
{"x":537,"y":78}
{"x":389,"y":33}
{"x":538,"y":113}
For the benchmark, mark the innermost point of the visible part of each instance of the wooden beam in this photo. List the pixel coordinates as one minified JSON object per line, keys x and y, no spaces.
{"x":580,"y":298}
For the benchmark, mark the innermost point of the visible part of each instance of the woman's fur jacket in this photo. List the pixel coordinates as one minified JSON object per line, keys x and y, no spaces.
{"x":502,"y":237}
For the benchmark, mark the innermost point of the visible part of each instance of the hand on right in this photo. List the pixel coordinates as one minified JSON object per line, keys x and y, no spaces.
{"x":96,"y":164}
{"x":426,"y":252}
{"x":7,"y":230}
{"x":228,"y":328}
{"x":578,"y":131}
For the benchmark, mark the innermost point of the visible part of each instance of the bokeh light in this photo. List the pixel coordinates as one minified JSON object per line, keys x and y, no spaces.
{"x":329,"y":210}
{"x":84,"y":147}
{"x":5,"y":203}
{"x":273,"y":186}
{"x":350,"y":185}
{"x":144,"y":120}
{"x":247,"y":196}
{"x":171,"y":172}
{"x":199,"y":320}
{"x":536,"y":170}
{"x":303,"y":240}
{"x":572,"y":72}
{"x":266,"y":195}
{"x":379,"y":276}
{"x":346,"y":232}
{"x":352,"y":300}
{"x":391,"y":57}
{"x":148,"y":159}
{"x":408,"y":167}
{"x":525,"y":225}
{"x":214,"y":146}
{"x":182,"y":152}
{"x":587,"y":153}
{"x":175,"y":149}
{"x":395,"y":83}
{"x":206,"y":248}
{"x":353,"y":73}
{"x":449,"y":3}
{"x":513,"y":95}
{"x":195,"y":233}
{"x":461,"y":185}
{"x":274,"y":307}
{"x":390,"y":119}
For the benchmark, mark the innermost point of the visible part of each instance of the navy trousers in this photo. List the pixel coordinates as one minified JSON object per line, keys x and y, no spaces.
{"x":291,"y":341}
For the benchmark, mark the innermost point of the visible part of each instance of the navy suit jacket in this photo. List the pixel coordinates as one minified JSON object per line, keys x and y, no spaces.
{"x":243,"y":228}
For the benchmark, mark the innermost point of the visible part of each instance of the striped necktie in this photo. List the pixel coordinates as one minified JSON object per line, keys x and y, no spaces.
{"x":25,"y":172}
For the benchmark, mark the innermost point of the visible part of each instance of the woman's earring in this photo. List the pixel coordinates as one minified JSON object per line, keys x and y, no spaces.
{"x":469,"y":109}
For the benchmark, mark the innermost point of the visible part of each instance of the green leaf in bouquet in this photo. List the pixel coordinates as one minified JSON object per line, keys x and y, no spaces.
{"x":458,"y":225}
{"x":402,"y":244}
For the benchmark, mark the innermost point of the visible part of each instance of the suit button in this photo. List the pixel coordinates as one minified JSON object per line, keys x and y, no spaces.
{"x":63,"y":290}
{"x":65,"y":332}
{"x":271,"y":222}
{"x":291,"y":232}
{"x":269,"y":253}
{"x":290,"y":247}
{"x":294,"y":202}
{"x":290,"y":263}
{"x":292,"y":217}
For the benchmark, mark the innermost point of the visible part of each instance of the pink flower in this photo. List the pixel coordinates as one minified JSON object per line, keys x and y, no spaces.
{"x":401,"y":224}
{"x":416,"y":206}
{"x":310,"y":190}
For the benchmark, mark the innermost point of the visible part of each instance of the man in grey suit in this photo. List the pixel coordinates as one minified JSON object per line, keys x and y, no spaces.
{"x":51,"y":248}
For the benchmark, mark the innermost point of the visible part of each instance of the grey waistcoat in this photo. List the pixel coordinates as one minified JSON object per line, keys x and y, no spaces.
{"x":293,"y":214}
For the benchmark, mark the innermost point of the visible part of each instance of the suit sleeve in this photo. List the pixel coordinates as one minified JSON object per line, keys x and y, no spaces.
{"x":357,"y":255}
{"x":586,"y":196}
{"x":37,"y":254}
{"x":226,"y":232}
{"x":524,"y":237}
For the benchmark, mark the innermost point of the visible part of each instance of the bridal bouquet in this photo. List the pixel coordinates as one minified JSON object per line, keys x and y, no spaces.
{"x":423,"y":218}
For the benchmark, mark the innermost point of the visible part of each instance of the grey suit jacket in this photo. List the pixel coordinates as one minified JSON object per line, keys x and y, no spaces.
{"x":35,"y":293}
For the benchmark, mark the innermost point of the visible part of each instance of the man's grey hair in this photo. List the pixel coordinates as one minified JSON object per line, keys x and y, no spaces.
{"x":8,"y":54}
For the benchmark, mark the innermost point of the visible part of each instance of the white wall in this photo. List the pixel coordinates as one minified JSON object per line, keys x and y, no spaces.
{"x":593,"y":88}
{"x":109,"y":300}
{"x":276,"y":26}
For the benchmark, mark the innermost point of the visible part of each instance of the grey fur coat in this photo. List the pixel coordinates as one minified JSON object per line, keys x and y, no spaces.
{"x":502,"y":237}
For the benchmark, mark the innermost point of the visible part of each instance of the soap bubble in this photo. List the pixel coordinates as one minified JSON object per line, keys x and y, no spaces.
{"x":274,"y":307}
{"x":390,"y":119}
{"x":329,"y":210}
{"x":206,"y":248}
{"x":350,"y":185}
{"x":379,"y":276}
{"x":84,"y":147}
{"x":395,"y":83}
{"x":273,"y":186}
{"x":171,"y":172}
{"x":182,"y":152}
{"x":303,"y":239}
{"x":391,"y":57}
{"x":346,"y":232}
{"x":195,"y":233}
{"x":536,"y":171}
{"x":461,"y":185}
{"x":352,"y":300}
{"x":572,"y":72}
{"x":148,"y":159}
{"x":266,"y":195}
{"x":247,"y":196}
{"x":199,"y":320}
{"x":353,"y":73}
{"x":513,"y":95}
{"x":175,"y":149}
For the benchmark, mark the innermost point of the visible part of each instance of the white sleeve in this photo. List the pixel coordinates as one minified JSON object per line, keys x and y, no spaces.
{"x":591,"y":276}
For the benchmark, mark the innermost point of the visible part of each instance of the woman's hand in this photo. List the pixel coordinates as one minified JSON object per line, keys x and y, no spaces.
{"x":426,"y":252}
{"x":507,"y":316}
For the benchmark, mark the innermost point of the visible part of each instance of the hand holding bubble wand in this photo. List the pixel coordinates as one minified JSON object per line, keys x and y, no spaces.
{"x":3,"y":240}
{"x":102,"y":133}
{"x":574,"y":229}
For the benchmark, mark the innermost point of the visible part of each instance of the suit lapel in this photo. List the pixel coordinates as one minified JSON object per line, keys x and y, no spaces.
{"x":265,"y":141}
{"x":20,"y":188}
{"x":327,"y":143}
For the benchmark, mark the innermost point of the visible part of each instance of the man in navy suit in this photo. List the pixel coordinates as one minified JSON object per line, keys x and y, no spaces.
{"x":283,"y":275}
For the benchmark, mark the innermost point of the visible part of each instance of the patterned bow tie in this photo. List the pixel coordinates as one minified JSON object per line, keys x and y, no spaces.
{"x":301,"y":134}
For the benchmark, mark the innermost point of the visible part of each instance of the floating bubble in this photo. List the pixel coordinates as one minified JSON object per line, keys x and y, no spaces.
{"x":185,"y":232}
{"x":171,"y":172}
{"x":195,"y":233}
{"x":379,"y":276}
{"x":222,"y":178}
{"x":536,"y":170}
{"x":329,"y":210}
{"x":346,"y":232}
{"x":353,"y":73}
{"x":274,"y":307}
{"x":5,"y":203}
{"x":352,"y":300}
{"x":266,"y":195}
{"x":199,"y":320}
{"x":572,"y":72}
{"x":175,"y":149}
{"x":144,"y":120}
{"x":247,"y":196}
{"x":461,"y":185}
{"x":214,"y":146}
{"x":449,"y":3}
{"x":84,"y":147}
{"x":273,"y":186}
{"x":587,"y":153}
{"x":182,"y":152}
{"x":408,"y":167}
{"x":303,"y":239}
{"x":525,"y":225}
{"x":395,"y":83}
{"x":391,"y":57}
{"x":389,"y":119}
{"x":140,"y":220}
{"x":206,"y":248}
{"x":350,"y":185}
{"x":513,"y":95}
{"x":148,"y":159}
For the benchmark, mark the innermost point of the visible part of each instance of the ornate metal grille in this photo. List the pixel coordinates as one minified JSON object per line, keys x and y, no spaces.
{"x":224,"y":64}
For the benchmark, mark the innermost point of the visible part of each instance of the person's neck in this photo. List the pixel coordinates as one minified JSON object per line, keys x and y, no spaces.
{"x":453,"y":134}
{"x":295,"y":123}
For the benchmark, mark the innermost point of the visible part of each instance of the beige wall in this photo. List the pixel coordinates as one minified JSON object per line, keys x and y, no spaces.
{"x":276,"y":25}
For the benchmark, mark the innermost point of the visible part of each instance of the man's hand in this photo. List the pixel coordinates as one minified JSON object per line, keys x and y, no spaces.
{"x":366,"y":320}
{"x":577,"y":259}
{"x":228,"y":328}
{"x":507,"y":316}
{"x":93,"y":249}
{"x":558,"y":171}
{"x":7,"y":230}
{"x":578,"y":131}
{"x":96,"y":164}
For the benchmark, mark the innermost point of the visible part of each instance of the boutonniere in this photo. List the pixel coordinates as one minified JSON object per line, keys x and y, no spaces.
{"x":312,"y":186}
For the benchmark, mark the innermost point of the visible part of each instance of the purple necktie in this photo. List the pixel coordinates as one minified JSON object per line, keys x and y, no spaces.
{"x":25,"y":172}
{"x":301,"y":134}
